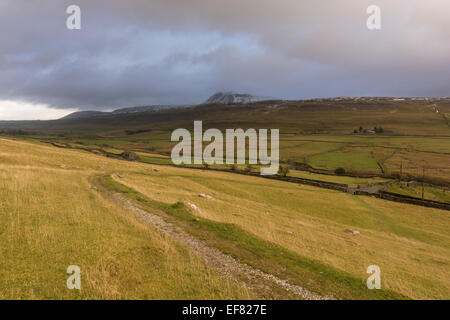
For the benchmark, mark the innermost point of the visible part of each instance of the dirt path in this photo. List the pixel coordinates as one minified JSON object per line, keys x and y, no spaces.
{"x":225,"y":265}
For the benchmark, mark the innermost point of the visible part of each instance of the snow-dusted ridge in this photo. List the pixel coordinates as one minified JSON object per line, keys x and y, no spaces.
{"x":230,"y":97}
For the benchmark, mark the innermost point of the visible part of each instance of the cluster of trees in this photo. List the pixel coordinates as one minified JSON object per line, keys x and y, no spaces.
{"x":362,"y":130}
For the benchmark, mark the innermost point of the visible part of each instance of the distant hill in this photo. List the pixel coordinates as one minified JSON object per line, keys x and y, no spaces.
{"x":143,"y":109}
{"x":96,"y":114}
{"x":397,"y":116}
{"x":219,"y":97}
{"x":84,"y":114}
{"x":230,"y":97}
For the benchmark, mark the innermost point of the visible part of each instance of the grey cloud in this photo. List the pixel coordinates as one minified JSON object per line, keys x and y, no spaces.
{"x":131,"y":52}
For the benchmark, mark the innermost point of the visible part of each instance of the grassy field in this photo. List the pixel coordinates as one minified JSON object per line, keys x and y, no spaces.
{"x":50,"y":218}
{"x":412,"y":249}
{"x":358,"y":155}
{"x":318,"y":133}
{"x":260,"y":253}
{"x":350,"y":181}
{"x":430,"y":193}
{"x":354,"y":157}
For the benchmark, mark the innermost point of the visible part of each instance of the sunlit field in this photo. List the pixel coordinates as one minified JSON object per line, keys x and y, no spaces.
{"x":51,"y":218}
{"x":410,"y":243}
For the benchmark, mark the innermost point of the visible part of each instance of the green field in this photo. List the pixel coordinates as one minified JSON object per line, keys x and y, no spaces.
{"x":351,"y":181}
{"x":354,"y":159}
{"x":317,"y":133}
{"x":386,"y":157}
{"x":430,"y":193}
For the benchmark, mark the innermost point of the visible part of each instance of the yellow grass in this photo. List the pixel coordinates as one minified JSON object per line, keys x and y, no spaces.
{"x":411,"y":244}
{"x":50,"y":218}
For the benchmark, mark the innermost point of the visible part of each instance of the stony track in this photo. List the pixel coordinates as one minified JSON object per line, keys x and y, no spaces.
{"x":226,"y":266}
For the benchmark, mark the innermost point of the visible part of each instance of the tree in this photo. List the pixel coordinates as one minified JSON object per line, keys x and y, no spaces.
{"x":283,"y":171}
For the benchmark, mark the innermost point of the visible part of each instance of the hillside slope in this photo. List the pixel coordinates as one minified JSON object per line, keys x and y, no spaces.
{"x":52,"y":218}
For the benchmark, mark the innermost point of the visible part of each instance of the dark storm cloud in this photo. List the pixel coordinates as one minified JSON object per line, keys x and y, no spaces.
{"x":180,"y":51}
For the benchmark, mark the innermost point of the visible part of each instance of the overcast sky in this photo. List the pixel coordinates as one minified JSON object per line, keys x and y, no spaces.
{"x":142,"y":52}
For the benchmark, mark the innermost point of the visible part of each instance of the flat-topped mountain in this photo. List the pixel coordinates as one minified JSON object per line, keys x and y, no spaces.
{"x":230,"y":97}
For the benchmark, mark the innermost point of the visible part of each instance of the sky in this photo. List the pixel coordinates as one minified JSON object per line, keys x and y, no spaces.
{"x":144,"y":52}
